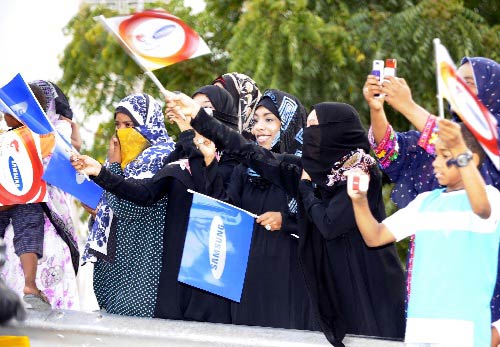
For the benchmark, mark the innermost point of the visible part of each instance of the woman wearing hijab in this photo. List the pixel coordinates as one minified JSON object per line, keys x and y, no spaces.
{"x":126,"y":252}
{"x":354,"y":289}
{"x":56,"y":270}
{"x":188,"y":167}
{"x":221,"y":104}
{"x":406,"y":157}
{"x":274,"y":293}
{"x":245,"y":95}
{"x":403,"y":156}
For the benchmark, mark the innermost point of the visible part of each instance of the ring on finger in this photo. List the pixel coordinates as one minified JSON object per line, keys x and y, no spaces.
{"x":268,"y":226}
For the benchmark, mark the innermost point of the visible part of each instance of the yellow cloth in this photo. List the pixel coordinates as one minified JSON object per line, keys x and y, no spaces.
{"x":132,"y":143}
{"x":14,"y":341}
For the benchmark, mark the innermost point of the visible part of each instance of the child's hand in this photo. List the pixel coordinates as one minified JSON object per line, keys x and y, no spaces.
{"x":357,"y":184}
{"x":371,"y":88}
{"x":450,"y":134}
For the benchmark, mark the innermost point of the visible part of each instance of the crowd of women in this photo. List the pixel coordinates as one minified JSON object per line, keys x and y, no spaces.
{"x":308,"y":266}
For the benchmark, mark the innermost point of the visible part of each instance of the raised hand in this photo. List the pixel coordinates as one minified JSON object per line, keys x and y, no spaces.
{"x":182,"y":105}
{"x":114,"y":151}
{"x":357,"y":183}
{"x":175,"y":115}
{"x":206,"y":147}
{"x":85,"y":164}
{"x":398,"y":94}
{"x":449,"y":132}
{"x":372,"y":88}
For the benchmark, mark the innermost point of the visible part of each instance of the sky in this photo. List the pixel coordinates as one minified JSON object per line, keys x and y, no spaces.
{"x":31,"y":37}
{"x":32,"y":40}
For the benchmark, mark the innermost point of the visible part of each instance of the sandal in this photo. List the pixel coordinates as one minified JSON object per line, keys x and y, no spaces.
{"x":37,"y":301}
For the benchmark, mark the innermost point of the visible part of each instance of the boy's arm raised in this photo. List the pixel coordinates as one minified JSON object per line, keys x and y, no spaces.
{"x":449,"y":132}
{"x":374,"y":233}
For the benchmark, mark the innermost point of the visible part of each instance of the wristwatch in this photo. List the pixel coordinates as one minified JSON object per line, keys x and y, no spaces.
{"x":461,"y":160}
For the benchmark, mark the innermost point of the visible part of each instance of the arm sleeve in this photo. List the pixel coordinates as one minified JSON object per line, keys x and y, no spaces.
{"x":334,"y":218}
{"x":400,"y":222}
{"x":263,"y":161}
{"x":145,"y":192}
{"x":289,"y":223}
{"x":235,"y":186}
{"x":124,"y":209}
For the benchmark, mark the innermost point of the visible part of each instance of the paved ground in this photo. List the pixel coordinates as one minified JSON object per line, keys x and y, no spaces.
{"x":58,"y":328}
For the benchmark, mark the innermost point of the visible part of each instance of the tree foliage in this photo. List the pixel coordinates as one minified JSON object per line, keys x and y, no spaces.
{"x":319,"y":50}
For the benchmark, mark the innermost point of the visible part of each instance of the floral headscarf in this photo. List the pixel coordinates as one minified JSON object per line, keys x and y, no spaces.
{"x":245,"y":93}
{"x":147,"y":113}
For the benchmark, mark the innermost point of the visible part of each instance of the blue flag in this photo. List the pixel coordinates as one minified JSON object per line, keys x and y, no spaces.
{"x":17,"y":99}
{"x":60,"y":173}
{"x":216,"y":248}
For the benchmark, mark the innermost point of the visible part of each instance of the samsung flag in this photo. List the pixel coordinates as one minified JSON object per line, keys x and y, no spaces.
{"x":17,"y":99}
{"x":216,"y":248}
{"x":21,"y":168}
{"x":62,"y":174}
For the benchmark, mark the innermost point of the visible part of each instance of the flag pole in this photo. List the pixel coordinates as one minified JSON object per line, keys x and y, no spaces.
{"x":132,"y":54}
{"x":437,"y":43}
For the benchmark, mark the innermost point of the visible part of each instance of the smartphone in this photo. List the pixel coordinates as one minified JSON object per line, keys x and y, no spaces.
{"x":358,"y":181}
{"x":378,"y":70}
{"x":390,"y":67}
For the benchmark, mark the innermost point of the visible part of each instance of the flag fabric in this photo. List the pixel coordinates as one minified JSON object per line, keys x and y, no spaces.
{"x":17,"y":99}
{"x":155,"y":38}
{"x":216,"y":248}
{"x":465,"y":103}
{"x":21,"y":168}
{"x":60,"y":173}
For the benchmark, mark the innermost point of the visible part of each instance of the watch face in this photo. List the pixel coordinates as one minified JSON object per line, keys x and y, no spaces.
{"x":463,"y":159}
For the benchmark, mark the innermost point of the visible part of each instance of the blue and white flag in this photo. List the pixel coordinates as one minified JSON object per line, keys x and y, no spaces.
{"x":216,"y":248}
{"x":60,"y":173}
{"x":17,"y":99}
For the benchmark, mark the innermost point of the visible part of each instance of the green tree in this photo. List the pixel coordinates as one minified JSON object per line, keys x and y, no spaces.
{"x":318,"y":50}
{"x":97,"y":71}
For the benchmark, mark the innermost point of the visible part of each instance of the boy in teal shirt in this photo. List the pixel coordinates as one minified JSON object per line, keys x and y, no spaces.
{"x":457,"y":232}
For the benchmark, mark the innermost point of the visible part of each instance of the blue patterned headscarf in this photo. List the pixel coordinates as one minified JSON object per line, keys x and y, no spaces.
{"x":147,"y":114}
{"x":487,"y":79}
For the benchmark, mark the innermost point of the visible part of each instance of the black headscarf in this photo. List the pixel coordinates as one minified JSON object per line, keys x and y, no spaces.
{"x":221,"y":99}
{"x":339,"y":133}
{"x":292,"y":115}
{"x":62,"y":104}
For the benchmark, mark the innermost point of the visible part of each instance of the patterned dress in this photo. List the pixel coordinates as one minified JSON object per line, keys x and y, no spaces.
{"x":56,"y":276}
{"x":126,"y":240}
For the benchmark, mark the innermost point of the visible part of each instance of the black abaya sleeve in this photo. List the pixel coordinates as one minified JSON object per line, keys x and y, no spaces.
{"x":332,"y":218}
{"x":335,"y":216}
{"x":284,"y":175}
{"x":185,"y":139}
{"x":143,"y":192}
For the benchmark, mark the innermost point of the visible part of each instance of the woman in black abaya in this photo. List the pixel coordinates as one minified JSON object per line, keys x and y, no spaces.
{"x":354,"y":289}
{"x":274,"y":294}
